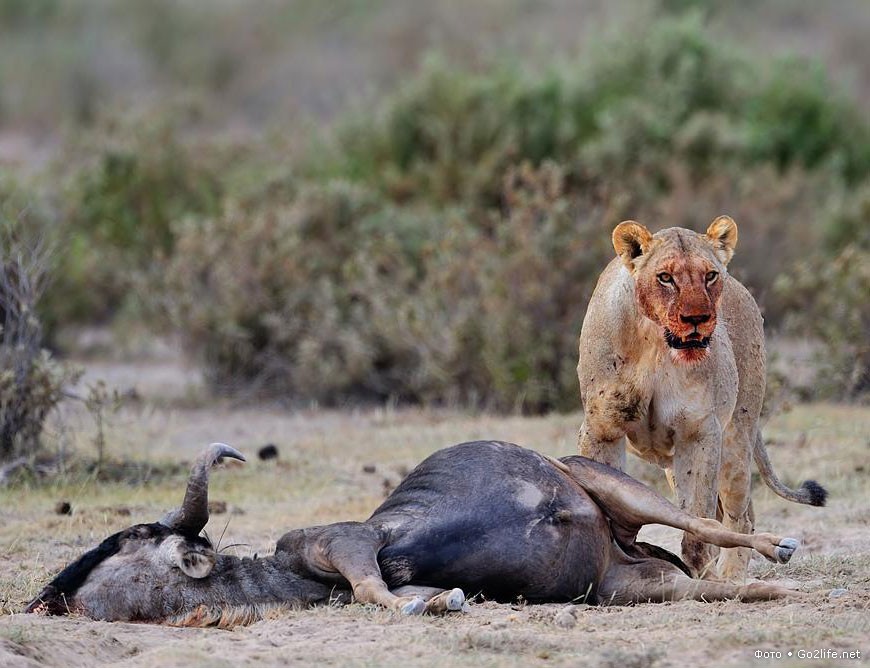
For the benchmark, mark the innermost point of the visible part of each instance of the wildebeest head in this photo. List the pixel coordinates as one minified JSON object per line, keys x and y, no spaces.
{"x":144,"y":571}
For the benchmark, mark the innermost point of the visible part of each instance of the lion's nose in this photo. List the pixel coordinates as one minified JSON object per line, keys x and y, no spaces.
{"x":695,"y":319}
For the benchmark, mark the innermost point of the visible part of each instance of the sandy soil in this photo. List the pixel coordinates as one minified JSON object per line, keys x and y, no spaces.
{"x":322,"y":476}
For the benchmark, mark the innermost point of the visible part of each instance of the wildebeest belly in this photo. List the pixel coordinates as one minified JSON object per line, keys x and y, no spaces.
{"x":551,"y":561}
{"x":509,"y":527}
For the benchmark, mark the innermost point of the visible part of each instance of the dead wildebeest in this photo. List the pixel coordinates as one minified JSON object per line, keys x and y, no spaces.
{"x":485,"y":517}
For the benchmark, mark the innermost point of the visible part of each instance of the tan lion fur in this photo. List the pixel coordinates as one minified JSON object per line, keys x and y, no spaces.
{"x":693,"y":411}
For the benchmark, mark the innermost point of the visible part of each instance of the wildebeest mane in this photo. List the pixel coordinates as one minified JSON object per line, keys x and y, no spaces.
{"x":53,"y":598}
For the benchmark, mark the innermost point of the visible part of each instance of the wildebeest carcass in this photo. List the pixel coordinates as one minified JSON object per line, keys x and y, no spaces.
{"x":484,"y":517}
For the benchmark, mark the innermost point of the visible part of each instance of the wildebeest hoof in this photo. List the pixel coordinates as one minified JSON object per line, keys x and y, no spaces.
{"x":785,"y":549}
{"x":455,"y":600}
{"x":446,"y":601}
{"x":415,"y":606}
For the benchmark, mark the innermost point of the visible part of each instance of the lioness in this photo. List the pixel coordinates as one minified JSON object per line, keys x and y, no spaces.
{"x":672,"y":357}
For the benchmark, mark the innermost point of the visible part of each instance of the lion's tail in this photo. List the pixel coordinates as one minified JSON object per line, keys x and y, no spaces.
{"x":810,"y":492}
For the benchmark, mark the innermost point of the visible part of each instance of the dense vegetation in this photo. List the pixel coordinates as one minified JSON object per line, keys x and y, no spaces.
{"x":439,"y":244}
{"x":32,"y":383}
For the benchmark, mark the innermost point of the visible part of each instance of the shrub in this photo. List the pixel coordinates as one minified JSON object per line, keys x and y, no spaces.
{"x":31,"y":382}
{"x":257,"y":294}
{"x":798,"y":117}
{"x":441,"y":246}
{"x":343,"y":297}
{"x":451,"y":259}
{"x":678,"y":94}
{"x":846,"y":222}
{"x":117,"y":216}
{"x":449,"y":135}
{"x":536,"y":273}
{"x":828,"y":300}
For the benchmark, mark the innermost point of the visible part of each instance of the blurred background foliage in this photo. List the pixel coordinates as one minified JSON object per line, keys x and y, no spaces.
{"x":392,"y":201}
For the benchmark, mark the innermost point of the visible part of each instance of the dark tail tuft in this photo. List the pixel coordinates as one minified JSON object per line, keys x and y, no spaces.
{"x":817,"y":494}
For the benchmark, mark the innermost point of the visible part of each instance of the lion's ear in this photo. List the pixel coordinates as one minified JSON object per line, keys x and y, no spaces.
{"x":630,"y":240}
{"x":722,"y":233}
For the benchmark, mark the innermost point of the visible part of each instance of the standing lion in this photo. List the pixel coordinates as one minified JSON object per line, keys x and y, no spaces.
{"x":672,"y":363}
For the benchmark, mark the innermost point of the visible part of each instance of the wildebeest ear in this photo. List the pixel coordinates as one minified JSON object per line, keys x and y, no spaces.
{"x":630,"y":241}
{"x":722,"y":233}
{"x":194,"y":561}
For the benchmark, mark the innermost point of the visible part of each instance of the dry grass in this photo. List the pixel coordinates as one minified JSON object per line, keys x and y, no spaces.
{"x":320,"y":478}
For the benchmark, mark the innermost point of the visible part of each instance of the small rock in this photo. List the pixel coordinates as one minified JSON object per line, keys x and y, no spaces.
{"x":217,"y":507}
{"x":565,"y":619}
{"x":63,"y":508}
{"x":369,"y":468}
{"x":268,"y":451}
{"x":837,"y":593}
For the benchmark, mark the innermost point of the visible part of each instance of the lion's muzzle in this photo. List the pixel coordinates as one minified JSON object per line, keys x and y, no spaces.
{"x":693,"y":340}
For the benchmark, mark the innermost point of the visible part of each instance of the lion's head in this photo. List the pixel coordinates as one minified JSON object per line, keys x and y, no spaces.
{"x":679,"y":276}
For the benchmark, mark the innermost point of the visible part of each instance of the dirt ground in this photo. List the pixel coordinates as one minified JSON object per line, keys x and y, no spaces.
{"x":337,"y":465}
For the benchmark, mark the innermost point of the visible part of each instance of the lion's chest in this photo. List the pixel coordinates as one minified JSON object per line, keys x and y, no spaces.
{"x":679,"y":403}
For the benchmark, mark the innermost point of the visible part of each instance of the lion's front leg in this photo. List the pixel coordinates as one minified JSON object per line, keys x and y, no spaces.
{"x":735,"y":498}
{"x":603,"y":444}
{"x":607,"y":407}
{"x":696,"y":483}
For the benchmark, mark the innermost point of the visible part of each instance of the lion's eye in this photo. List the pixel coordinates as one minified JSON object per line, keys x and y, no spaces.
{"x":665,"y":278}
{"x":711,"y":276}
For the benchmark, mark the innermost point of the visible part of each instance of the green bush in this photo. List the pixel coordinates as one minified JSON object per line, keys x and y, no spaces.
{"x":444,"y":248}
{"x":798,"y":117}
{"x":630,"y":108}
{"x":846,"y":224}
{"x":117,"y":215}
{"x":828,"y":300}
{"x":251,"y":291}
{"x":344,"y":297}
{"x":441,"y":245}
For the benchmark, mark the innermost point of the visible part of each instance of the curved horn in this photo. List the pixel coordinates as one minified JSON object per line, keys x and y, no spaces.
{"x":192,"y":516}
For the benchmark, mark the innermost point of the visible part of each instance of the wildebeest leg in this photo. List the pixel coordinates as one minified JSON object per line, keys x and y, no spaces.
{"x":348,"y":551}
{"x":656,"y":581}
{"x":630,"y":504}
{"x":352,"y":552}
{"x":438,"y":601}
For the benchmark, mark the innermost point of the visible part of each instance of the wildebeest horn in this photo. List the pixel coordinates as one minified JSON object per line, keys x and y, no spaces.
{"x":192,"y":516}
